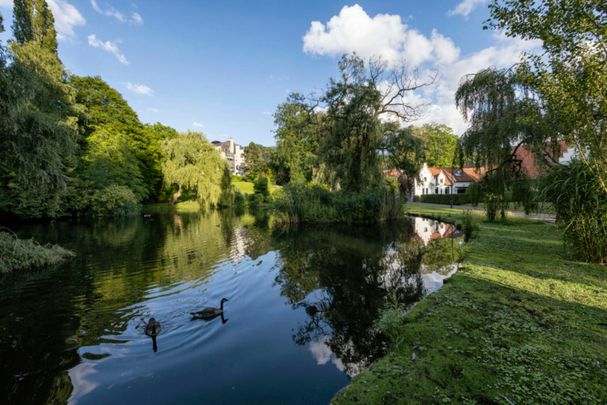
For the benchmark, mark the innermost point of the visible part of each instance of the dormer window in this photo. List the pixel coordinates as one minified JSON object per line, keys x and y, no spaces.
{"x":458,"y":172}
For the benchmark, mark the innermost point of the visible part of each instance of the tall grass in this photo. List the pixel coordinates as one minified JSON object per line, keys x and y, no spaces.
{"x":22,"y":254}
{"x":299,"y":203}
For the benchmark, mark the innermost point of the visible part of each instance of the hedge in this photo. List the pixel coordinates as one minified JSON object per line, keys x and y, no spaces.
{"x":458,"y":199}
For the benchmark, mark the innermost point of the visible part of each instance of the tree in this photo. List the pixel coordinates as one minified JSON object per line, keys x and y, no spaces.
{"x":439,"y":144}
{"x":570,"y":75}
{"x":37,"y":119}
{"x":503,"y":116}
{"x":117,"y":148}
{"x":404,"y":152}
{"x":258,"y":159}
{"x":193,"y":164}
{"x":297,"y":138}
{"x":365,"y":93}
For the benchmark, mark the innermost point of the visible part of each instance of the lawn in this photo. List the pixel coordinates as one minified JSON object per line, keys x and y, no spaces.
{"x":247,"y":187}
{"x":519,"y":323}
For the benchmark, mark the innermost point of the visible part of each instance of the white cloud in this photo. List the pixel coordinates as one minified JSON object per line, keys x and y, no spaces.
{"x":465,"y":7}
{"x":383,"y":35}
{"x":67,"y":17}
{"x":197,"y":124}
{"x":141,"y":89}
{"x":136,"y":18}
{"x":108,"y":46}
{"x":153,"y":110}
{"x":110,"y":11}
{"x":386,"y":36}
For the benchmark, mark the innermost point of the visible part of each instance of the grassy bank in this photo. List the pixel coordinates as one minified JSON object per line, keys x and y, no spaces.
{"x":519,"y":323}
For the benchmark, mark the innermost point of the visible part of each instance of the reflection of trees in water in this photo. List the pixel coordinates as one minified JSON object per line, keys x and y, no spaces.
{"x":343,"y":278}
{"x":45,"y":317}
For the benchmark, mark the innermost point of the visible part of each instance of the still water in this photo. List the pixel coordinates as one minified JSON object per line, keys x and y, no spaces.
{"x":298,"y":325}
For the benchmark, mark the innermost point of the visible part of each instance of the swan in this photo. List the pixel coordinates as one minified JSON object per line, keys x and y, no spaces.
{"x":209,"y":313}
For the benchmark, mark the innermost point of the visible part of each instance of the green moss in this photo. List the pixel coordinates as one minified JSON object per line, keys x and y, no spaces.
{"x":23,"y":254}
{"x":519,"y":323}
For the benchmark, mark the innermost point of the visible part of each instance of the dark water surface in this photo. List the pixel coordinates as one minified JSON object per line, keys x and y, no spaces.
{"x":298,"y":324}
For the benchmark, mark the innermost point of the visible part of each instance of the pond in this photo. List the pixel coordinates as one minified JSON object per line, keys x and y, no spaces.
{"x":298,"y":323}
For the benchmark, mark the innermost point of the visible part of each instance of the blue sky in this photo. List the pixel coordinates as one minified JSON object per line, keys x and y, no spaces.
{"x":221,"y":67}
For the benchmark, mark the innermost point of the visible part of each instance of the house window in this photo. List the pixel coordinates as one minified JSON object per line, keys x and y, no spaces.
{"x":441,"y":181}
{"x":447,"y":191}
{"x":436,"y":190}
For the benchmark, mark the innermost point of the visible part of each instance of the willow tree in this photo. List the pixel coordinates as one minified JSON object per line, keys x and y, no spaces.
{"x":191,"y":164}
{"x":504,"y":116}
{"x":37,"y":121}
{"x":357,"y":104}
{"x":570,"y":73}
{"x":569,"y":78}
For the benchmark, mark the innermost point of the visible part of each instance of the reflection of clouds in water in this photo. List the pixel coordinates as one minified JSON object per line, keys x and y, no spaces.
{"x":434,"y":281}
{"x":238,"y":244}
{"x":79,"y":376}
{"x":322,"y":354}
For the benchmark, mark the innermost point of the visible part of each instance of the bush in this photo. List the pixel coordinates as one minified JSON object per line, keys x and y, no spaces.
{"x":114,"y":200}
{"x":262,"y":187}
{"x":458,"y":199}
{"x":391,"y":322}
{"x":20,"y":254}
{"x":299,"y":203}
{"x":581,"y":207}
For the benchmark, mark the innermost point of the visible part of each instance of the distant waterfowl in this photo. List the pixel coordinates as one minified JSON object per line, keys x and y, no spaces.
{"x":152,"y":329}
{"x":209,"y":313}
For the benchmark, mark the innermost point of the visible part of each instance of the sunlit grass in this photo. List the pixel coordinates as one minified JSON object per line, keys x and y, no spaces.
{"x":519,"y":323}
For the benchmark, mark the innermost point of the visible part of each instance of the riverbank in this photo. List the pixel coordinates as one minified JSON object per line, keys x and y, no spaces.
{"x":519,"y":323}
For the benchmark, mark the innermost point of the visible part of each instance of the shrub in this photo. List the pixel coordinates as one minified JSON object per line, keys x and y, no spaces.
{"x":458,"y":199}
{"x":299,"y":203}
{"x":114,"y":200}
{"x":581,"y":207}
{"x":262,"y":187}
{"x":391,"y":322}
{"x":20,"y":254}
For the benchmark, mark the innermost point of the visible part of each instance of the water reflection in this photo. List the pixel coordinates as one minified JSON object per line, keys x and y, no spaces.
{"x":77,"y":332}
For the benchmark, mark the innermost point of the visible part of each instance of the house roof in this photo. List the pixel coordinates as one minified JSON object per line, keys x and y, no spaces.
{"x":532,"y":166}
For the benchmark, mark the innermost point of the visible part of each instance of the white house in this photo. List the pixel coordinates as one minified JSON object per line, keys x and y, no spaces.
{"x":233,"y":153}
{"x":444,"y":180}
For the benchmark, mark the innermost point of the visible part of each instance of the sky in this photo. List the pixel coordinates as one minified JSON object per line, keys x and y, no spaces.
{"x":222,"y":67}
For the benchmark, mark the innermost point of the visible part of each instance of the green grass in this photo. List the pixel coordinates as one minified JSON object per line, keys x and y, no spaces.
{"x":519,"y":323}
{"x":247,"y":187}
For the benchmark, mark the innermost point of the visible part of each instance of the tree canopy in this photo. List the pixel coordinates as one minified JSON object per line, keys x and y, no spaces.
{"x":439,"y":143}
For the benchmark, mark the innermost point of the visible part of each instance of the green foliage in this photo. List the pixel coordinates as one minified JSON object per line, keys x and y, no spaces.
{"x":354,"y":131}
{"x":391,"y":322}
{"x":570,"y":75}
{"x":404,"y":152}
{"x":581,"y":207}
{"x":36,"y":121}
{"x":439,"y":144}
{"x":117,"y":148}
{"x":299,"y":203}
{"x":22,"y":254}
{"x":258,"y":161}
{"x":114,"y":201}
{"x":447,"y":199}
{"x":261,"y":187}
{"x":297,"y":140}
{"x":193,"y":164}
